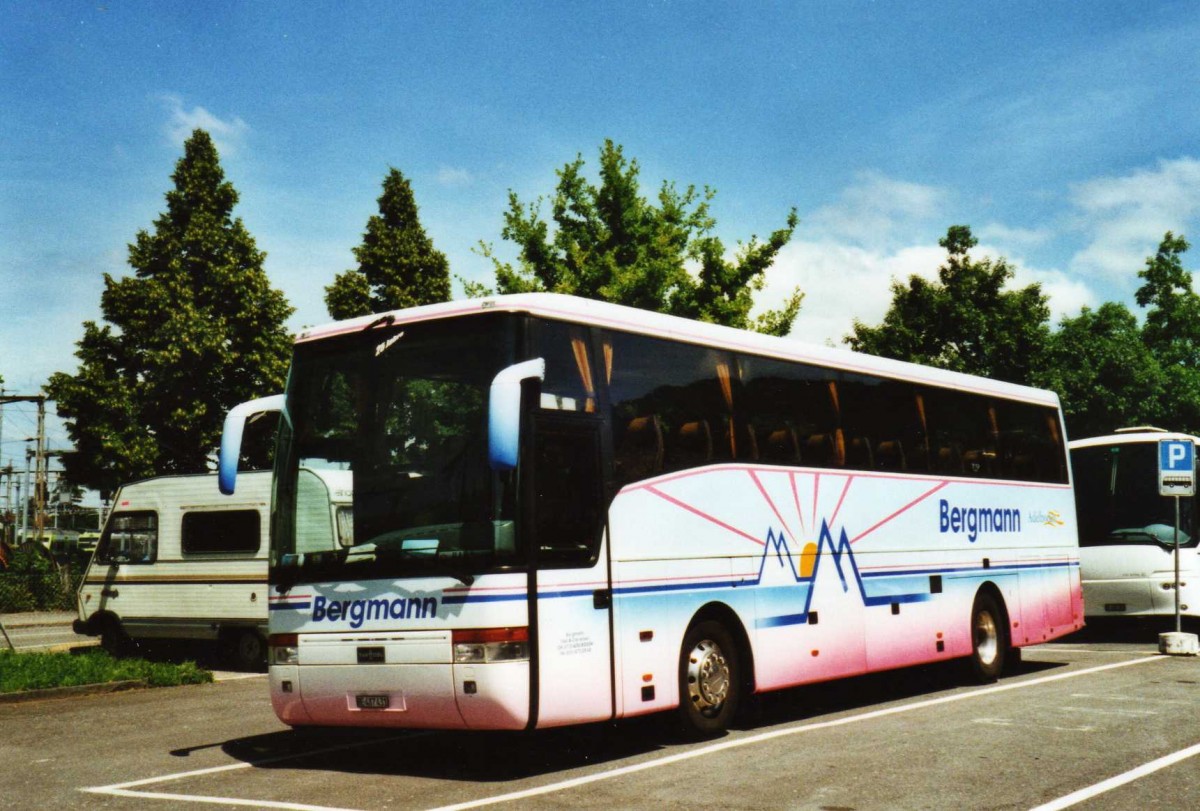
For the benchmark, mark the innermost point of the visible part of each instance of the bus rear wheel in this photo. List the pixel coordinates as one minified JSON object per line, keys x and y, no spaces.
{"x":989,"y":638}
{"x":709,"y":679}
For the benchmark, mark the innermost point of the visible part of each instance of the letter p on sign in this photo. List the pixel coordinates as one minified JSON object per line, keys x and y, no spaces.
{"x":1176,"y":467}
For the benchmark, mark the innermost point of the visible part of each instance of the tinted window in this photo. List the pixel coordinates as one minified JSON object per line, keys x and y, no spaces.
{"x":885,"y":424}
{"x":567,"y":503}
{"x":570,"y":383}
{"x":398,"y":418}
{"x":792,"y":413}
{"x":221,"y":531}
{"x":800,"y":414}
{"x":673,"y":405}
{"x":1117,"y":500}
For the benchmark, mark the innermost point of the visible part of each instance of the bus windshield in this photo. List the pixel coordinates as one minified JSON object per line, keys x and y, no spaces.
{"x":1117,"y":500}
{"x":397,"y":416}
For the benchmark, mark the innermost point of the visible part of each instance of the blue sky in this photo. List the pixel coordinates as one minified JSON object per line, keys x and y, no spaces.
{"x":1065,"y":134}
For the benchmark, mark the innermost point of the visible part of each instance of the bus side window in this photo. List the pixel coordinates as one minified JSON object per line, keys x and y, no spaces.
{"x":638,"y":449}
{"x":570,"y":383}
{"x":790,"y":410}
{"x":673,"y":406}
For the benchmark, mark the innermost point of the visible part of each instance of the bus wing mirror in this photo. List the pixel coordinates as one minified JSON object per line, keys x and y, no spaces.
{"x":504,"y":411}
{"x":231,"y":437}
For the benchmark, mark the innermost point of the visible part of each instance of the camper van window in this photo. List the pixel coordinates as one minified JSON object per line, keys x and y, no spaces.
{"x":130,"y":537}
{"x":226,"y":531}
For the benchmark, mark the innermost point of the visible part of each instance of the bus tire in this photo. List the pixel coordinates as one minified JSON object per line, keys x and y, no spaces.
{"x":245,"y":649}
{"x":710,"y":680}
{"x":989,"y":638}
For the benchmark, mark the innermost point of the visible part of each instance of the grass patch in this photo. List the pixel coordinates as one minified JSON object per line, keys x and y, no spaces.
{"x":38,"y":671}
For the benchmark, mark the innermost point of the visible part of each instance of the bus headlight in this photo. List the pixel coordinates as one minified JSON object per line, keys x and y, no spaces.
{"x":284,"y":649}
{"x":479,"y":645}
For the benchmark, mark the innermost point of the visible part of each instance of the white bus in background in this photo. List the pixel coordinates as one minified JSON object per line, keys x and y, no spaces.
{"x":177,"y":560}
{"x":1127,"y":530}
{"x":566,"y":511}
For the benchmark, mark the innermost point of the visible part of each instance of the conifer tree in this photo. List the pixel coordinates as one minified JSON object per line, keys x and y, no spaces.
{"x":397,"y":263}
{"x":196,"y":329}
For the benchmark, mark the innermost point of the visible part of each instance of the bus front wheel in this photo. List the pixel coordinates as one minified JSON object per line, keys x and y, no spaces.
{"x":989,"y":638}
{"x":709,"y":679}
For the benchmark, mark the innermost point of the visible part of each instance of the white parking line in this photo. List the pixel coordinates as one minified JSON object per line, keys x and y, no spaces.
{"x":126,"y":789}
{"x":1121,"y":779}
{"x":779,"y":733}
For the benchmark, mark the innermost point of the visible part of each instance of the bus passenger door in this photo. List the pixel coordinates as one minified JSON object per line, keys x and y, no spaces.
{"x":574,"y":648}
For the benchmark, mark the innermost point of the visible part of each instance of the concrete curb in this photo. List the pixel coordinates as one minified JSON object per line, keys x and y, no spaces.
{"x":71,"y":692}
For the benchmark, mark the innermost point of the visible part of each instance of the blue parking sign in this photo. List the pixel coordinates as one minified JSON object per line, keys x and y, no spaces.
{"x":1176,"y":467}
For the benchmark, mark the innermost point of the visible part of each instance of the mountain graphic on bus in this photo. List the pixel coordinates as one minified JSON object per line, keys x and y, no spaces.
{"x":779,"y":555}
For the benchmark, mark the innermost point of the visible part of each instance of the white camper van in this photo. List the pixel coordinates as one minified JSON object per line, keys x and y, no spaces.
{"x":178,"y":560}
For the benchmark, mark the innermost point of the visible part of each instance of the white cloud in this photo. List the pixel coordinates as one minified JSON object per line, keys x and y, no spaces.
{"x":842,"y":282}
{"x":454,"y":177}
{"x":1020,"y":237}
{"x":1067,"y":295}
{"x":227,"y":134}
{"x":1126,"y":216}
{"x":876,"y":211}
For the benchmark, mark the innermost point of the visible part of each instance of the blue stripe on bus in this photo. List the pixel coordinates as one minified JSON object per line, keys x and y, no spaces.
{"x":458,"y":599}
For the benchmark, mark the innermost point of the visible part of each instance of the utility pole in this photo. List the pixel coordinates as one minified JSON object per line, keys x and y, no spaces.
{"x":42,"y":487}
{"x":7,"y":472}
{"x":39,"y":488}
{"x":25,"y":501}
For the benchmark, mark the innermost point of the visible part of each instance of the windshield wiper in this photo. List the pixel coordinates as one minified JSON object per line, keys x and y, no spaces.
{"x":382,"y":321}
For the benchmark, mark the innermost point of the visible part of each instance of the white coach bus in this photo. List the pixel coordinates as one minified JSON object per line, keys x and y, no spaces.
{"x":177,"y":560}
{"x":1127,"y":530}
{"x":568,"y":511}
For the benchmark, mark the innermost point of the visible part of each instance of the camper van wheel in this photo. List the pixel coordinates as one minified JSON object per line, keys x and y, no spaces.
{"x":114,"y":640}
{"x":246,"y":649}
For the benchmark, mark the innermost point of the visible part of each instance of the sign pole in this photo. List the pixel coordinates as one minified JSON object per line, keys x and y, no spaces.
{"x":1177,"y":478}
{"x":1178,"y":616}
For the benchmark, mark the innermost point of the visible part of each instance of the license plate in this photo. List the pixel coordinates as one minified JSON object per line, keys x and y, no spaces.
{"x":372,"y":702}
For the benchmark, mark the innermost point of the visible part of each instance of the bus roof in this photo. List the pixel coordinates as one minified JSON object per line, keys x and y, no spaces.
{"x":1128,"y":437}
{"x":630,"y":319}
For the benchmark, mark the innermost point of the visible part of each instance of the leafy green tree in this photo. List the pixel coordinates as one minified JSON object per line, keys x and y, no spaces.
{"x":610,"y":243}
{"x":196,"y":329}
{"x":965,"y":320}
{"x":1106,"y":377}
{"x":397,"y":264}
{"x":1172,"y":331}
{"x":1172,"y":328}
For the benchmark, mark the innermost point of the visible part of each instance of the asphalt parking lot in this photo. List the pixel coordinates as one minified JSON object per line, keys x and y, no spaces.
{"x":1096,"y":722}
